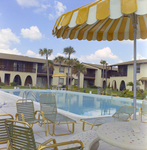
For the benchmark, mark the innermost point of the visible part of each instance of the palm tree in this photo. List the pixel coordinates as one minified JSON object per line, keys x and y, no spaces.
{"x":50,"y":66}
{"x":46,"y":52}
{"x":77,"y":69}
{"x":68,"y":51}
{"x":106,"y":72}
{"x":131,"y":84}
{"x":103,"y":62}
{"x":59,"y":60}
{"x":71,"y":63}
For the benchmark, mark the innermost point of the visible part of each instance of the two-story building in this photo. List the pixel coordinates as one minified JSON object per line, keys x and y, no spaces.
{"x":125,"y":72}
{"x":26,"y":70}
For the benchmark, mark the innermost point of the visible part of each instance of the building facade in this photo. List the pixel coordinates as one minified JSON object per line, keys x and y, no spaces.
{"x":27,"y":71}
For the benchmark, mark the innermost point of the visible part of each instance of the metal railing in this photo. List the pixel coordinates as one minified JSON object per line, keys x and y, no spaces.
{"x":27,"y":92}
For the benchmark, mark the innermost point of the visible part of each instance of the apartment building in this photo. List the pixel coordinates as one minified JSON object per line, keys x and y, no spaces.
{"x":26,"y":70}
{"x":119,"y":80}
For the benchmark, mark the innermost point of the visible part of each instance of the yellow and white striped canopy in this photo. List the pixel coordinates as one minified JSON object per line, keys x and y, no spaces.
{"x":103,"y":20}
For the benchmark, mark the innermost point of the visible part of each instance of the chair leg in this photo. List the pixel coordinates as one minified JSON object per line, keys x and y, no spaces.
{"x":45,"y":129}
{"x":83,"y":126}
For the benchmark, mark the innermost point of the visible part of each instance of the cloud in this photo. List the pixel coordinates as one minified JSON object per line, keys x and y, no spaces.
{"x":59,"y":8}
{"x":32,"y":54}
{"x":28,"y":3}
{"x":102,"y":54}
{"x":9,"y":51}
{"x":33,"y":33}
{"x":138,"y":57}
{"x":6,"y":37}
{"x":42,"y":7}
{"x":50,"y":16}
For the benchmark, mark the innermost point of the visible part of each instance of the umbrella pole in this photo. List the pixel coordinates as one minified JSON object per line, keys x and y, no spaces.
{"x":134,"y":87}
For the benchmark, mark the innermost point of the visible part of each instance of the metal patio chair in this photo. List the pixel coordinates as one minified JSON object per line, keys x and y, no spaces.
{"x":122,"y":114}
{"x":3,"y":132}
{"x":143,"y":110}
{"x":49,"y":108}
{"x":26,"y":113}
{"x":21,"y":137}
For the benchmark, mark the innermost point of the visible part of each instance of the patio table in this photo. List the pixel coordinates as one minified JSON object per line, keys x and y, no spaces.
{"x":121,"y":135}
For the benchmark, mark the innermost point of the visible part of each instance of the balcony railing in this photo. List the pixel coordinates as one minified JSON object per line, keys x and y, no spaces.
{"x":43,"y":71}
{"x":19,"y":69}
{"x":119,"y":74}
{"x":89,"y":75}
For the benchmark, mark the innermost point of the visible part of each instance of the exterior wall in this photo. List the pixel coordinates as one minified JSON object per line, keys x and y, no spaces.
{"x":81,"y":80}
{"x":22,"y":75}
{"x":98,"y":79}
{"x":129,"y":77}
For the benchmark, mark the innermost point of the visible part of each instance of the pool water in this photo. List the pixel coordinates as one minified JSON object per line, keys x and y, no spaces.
{"x":83,"y":103}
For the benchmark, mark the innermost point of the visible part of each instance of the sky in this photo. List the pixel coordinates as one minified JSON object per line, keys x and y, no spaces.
{"x":26,"y":26}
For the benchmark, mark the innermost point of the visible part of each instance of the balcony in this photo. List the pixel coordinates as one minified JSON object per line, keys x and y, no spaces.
{"x":43,"y":71}
{"x":89,"y":76}
{"x":17,"y":69}
{"x":119,"y":74}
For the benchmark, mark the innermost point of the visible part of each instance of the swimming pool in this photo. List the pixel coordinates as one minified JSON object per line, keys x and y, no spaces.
{"x":82,"y":103}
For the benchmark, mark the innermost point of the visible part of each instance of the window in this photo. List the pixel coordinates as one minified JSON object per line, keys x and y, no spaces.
{"x":76,"y":82}
{"x":61,"y":69}
{"x":61,"y":82}
{"x":138,"y":69}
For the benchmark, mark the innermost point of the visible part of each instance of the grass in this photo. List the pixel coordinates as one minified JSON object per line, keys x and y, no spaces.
{"x":93,"y":91}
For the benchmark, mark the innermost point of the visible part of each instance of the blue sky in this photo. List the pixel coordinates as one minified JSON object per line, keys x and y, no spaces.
{"x":26,"y":26}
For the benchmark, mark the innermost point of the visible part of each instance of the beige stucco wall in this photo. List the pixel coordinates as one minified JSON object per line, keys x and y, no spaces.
{"x":98,"y":79}
{"x":129,"y":77}
{"x":22,"y":75}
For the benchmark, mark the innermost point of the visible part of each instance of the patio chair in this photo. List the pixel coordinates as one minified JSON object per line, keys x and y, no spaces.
{"x":122,"y":114}
{"x":143,"y":110}
{"x":3,"y":132}
{"x":21,"y":136}
{"x":49,"y":108}
{"x":26,"y":113}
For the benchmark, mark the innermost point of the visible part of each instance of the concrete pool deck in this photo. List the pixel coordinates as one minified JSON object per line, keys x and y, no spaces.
{"x":10,"y":108}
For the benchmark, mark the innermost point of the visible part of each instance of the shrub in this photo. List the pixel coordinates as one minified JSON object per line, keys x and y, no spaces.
{"x":93,"y":86}
{"x":13,"y":84}
{"x":2,"y":84}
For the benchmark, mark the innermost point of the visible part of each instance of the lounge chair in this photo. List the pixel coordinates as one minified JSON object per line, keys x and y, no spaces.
{"x":3,"y":132}
{"x":143,"y":110}
{"x":49,"y":108}
{"x":21,"y":136}
{"x":26,"y":113}
{"x":122,"y":114}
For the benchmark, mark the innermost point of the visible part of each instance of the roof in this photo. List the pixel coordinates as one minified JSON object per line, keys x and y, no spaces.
{"x":142,"y":61}
{"x":21,"y":58}
{"x":96,"y":66}
{"x":143,"y":79}
{"x":24,"y":58}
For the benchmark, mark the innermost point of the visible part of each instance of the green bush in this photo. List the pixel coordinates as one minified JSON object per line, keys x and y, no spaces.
{"x":13,"y":84}
{"x":2,"y":84}
{"x":93,"y":86}
{"x":139,"y":94}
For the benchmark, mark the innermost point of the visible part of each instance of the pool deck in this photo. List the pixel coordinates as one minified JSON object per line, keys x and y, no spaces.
{"x":10,"y":108}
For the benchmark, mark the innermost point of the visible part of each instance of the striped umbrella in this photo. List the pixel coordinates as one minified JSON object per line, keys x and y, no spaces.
{"x":106,"y":20}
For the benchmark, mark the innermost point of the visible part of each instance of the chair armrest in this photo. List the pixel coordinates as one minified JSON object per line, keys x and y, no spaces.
{"x":61,"y":144}
{"x":22,"y":115}
{"x":42,"y":114}
{"x":48,"y":141}
{"x":140,"y":110}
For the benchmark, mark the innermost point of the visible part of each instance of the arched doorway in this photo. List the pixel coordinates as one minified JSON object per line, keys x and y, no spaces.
{"x":122,"y":85}
{"x":28,"y":80}
{"x":17,"y":79}
{"x":104,"y":84}
{"x":114,"y":84}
